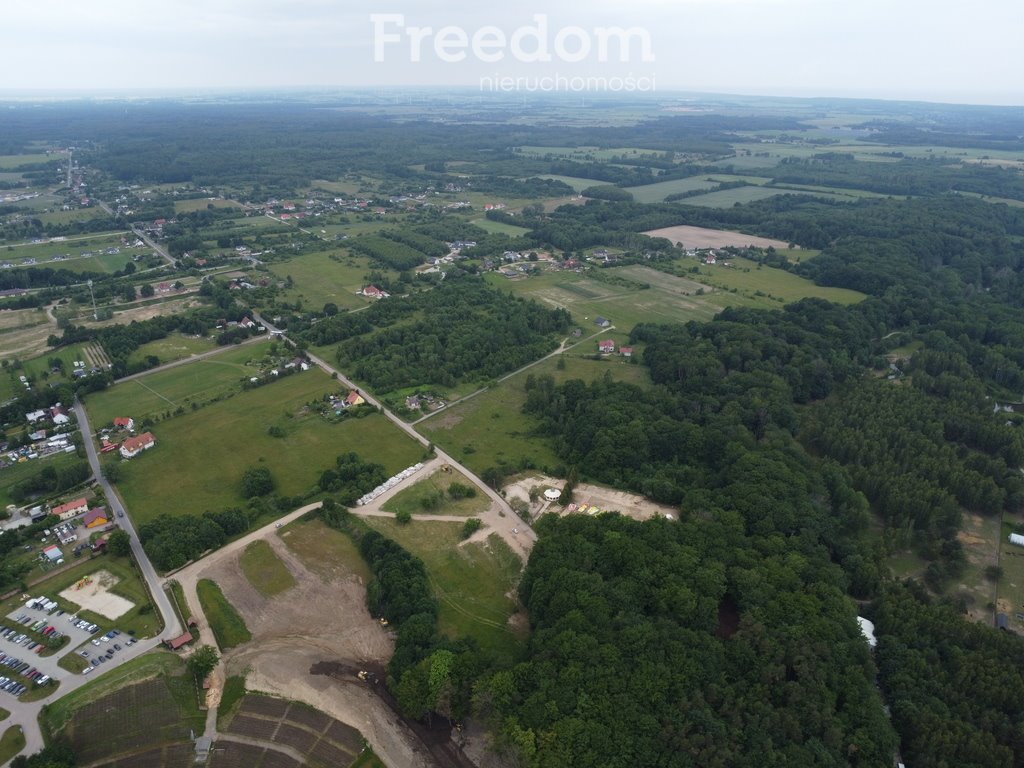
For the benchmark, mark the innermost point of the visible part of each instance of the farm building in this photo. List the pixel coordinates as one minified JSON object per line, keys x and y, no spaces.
{"x":95,"y":518}
{"x":1016,"y":538}
{"x":70,"y":509}
{"x":602,"y":322}
{"x":626,"y":351}
{"x":181,"y":640}
{"x":133,"y":446}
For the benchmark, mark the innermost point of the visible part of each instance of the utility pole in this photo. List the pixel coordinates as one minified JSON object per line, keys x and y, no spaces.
{"x":95,"y":314}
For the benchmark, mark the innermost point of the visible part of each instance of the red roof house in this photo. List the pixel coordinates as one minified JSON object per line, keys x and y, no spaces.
{"x":606,"y":346}
{"x":133,"y":446}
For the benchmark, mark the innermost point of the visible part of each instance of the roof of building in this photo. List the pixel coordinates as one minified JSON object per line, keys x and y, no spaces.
{"x":93,"y":515}
{"x":122,"y":421}
{"x":53,"y":552}
{"x":68,"y":506}
{"x":134,"y":443}
{"x":176,"y":642}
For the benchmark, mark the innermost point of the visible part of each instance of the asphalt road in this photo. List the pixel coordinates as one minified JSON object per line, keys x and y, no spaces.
{"x":172,"y":627}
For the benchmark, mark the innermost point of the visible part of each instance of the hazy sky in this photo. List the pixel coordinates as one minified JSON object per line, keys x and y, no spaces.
{"x":922,"y":49}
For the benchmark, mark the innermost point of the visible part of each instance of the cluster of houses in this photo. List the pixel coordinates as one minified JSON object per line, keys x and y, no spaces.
{"x":129,"y":447}
{"x":71,"y":515}
{"x":51,"y":434}
{"x":607,"y":347}
{"x":295,"y":365}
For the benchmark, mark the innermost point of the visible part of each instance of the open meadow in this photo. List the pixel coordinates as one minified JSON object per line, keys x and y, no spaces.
{"x":472,"y":582}
{"x":491,"y":429}
{"x":657,"y":192}
{"x":430,"y":496}
{"x":200,"y":456}
{"x":163,"y":392}
{"x":756,"y":281}
{"x":322,"y":277}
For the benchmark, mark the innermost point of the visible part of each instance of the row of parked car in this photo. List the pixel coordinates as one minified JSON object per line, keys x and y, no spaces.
{"x":92,"y":629}
{"x":23,"y":668}
{"x":103,"y":657}
{"x":20,"y":638}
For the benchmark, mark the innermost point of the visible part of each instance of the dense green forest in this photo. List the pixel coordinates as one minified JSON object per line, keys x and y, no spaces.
{"x":688,"y":643}
{"x":461,"y":330}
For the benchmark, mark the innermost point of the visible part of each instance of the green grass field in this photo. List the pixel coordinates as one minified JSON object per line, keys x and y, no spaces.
{"x":11,"y":743}
{"x":200,"y":457}
{"x":471,"y":582}
{"x":318,"y":279}
{"x":228,"y":626}
{"x":668,"y":299}
{"x":202,"y":204}
{"x":327,"y":552}
{"x":164,"y":391}
{"x":745,"y":276}
{"x":265,"y":571}
{"x":576,"y":182}
{"x":499,"y":227}
{"x":491,"y":428}
{"x":14,"y":161}
{"x":727,"y":198}
{"x":174,"y":347}
{"x":344,"y":187}
{"x":72,"y":247}
{"x":657,"y":192}
{"x":411,"y":499}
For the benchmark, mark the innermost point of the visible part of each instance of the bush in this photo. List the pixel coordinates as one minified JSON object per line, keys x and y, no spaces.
{"x":471,"y":526}
{"x":403,"y":516}
{"x":460,"y":491}
{"x":257,"y":481}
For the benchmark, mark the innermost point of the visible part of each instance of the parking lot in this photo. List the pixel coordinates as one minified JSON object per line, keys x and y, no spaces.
{"x":90,"y":641}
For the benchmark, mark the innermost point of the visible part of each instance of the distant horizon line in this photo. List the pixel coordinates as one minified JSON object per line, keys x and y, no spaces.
{"x":177,"y":92}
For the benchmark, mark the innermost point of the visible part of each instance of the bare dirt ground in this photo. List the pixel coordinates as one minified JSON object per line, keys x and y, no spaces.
{"x":26,"y":341}
{"x":605,"y":499}
{"x":981,"y":551}
{"x":701,"y":237}
{"x":323,"y":617}
{"x":93,"y":594}
{"x":148,"y":312}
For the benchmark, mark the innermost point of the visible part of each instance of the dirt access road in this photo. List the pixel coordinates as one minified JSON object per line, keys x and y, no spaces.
{"x":320,"y":619}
